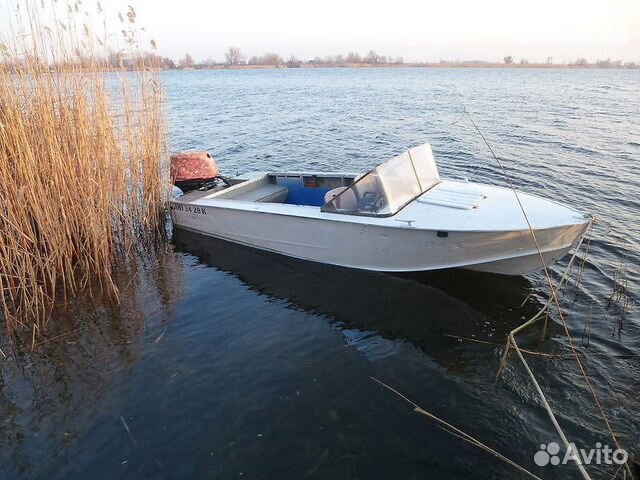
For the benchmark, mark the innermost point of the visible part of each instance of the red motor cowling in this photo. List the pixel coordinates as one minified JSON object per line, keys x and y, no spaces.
{"x":190,"y":170}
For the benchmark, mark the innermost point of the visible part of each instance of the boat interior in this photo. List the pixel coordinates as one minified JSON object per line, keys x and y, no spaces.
{"x":287,"y":188}
{"x":315,"y":190}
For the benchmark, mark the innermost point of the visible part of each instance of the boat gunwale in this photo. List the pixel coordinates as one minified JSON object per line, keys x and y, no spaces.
{"x":383,"y":224}
{"x":257,"y":175}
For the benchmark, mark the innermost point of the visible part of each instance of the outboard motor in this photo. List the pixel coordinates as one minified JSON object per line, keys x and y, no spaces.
{"x":194,"y":170}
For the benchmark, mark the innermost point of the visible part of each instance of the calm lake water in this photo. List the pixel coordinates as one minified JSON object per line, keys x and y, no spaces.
{"x":224,"y":362}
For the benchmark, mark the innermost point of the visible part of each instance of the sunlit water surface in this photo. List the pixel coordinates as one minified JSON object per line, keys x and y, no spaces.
{"x":224,"y":362}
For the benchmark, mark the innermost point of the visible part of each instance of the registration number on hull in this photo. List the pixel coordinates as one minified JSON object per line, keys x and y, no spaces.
{"x":190,"y":209}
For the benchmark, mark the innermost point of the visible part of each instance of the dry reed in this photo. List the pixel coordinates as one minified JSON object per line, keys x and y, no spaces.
{"x":619,"y":290}
{"x":447,"y":427}
{"x":82,"y":160}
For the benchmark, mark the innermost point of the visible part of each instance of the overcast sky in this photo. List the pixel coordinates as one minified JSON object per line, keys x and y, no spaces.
{"x":425,"y":30}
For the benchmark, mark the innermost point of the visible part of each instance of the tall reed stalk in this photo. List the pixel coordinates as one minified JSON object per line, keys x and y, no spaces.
{"x":82,"y":160}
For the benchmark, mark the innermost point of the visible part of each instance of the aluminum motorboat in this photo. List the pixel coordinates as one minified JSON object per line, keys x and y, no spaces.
{"x":398,"y":217}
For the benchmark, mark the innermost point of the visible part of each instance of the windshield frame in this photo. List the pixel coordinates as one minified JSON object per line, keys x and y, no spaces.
{"x":379,"y":175}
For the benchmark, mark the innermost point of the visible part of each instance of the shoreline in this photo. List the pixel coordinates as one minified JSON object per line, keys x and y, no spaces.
{"x":558,"y":66}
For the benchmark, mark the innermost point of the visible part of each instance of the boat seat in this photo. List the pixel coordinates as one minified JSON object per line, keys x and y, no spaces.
{"x":270,"y":192}
{"x":347,"y":201}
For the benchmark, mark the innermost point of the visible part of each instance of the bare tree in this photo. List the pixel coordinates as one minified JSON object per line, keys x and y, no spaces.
{"x":549,"y":60}
{"x":372,"y":57}
{"x":209,"y":62}
{"x":234,"y":56}
{"x":353,"y":57}
{"x":168,"y":62}
{"x":187,"y":61}
{"x":267,"y":59}
{"x":293,"y":62}
{"x":524,"y":61}
{"x":271,"y":59}
{"x":508,"y":60}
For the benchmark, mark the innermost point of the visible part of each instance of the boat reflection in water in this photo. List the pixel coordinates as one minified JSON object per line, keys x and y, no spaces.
{"x":419,"y":308}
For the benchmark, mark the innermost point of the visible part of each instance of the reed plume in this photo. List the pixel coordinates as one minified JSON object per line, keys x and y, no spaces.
{"x":83,"y":181}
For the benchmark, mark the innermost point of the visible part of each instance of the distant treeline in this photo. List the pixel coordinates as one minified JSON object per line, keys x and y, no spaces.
{"x":235,"y":58}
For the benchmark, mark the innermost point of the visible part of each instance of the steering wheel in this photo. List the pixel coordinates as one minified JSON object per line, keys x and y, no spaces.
{"x":370,"y":201}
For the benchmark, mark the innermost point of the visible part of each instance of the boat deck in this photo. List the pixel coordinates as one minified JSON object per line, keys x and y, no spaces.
{"x":449,"y":206}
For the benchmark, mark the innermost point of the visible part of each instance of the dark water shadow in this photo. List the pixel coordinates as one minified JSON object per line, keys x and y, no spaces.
{"x":50,"y":391}
{"x":425,"y":309}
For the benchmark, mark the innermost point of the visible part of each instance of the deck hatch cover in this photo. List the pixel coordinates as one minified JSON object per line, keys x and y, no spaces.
{"x":452,"y":197}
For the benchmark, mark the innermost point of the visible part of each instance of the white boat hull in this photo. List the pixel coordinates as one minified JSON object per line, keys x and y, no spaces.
{"x":368,"y":246}
{"x":521,"y":265}
{"x":399,"y":217}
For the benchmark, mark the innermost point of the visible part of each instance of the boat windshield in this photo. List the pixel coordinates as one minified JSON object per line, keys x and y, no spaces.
{"x":386,"y":189}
